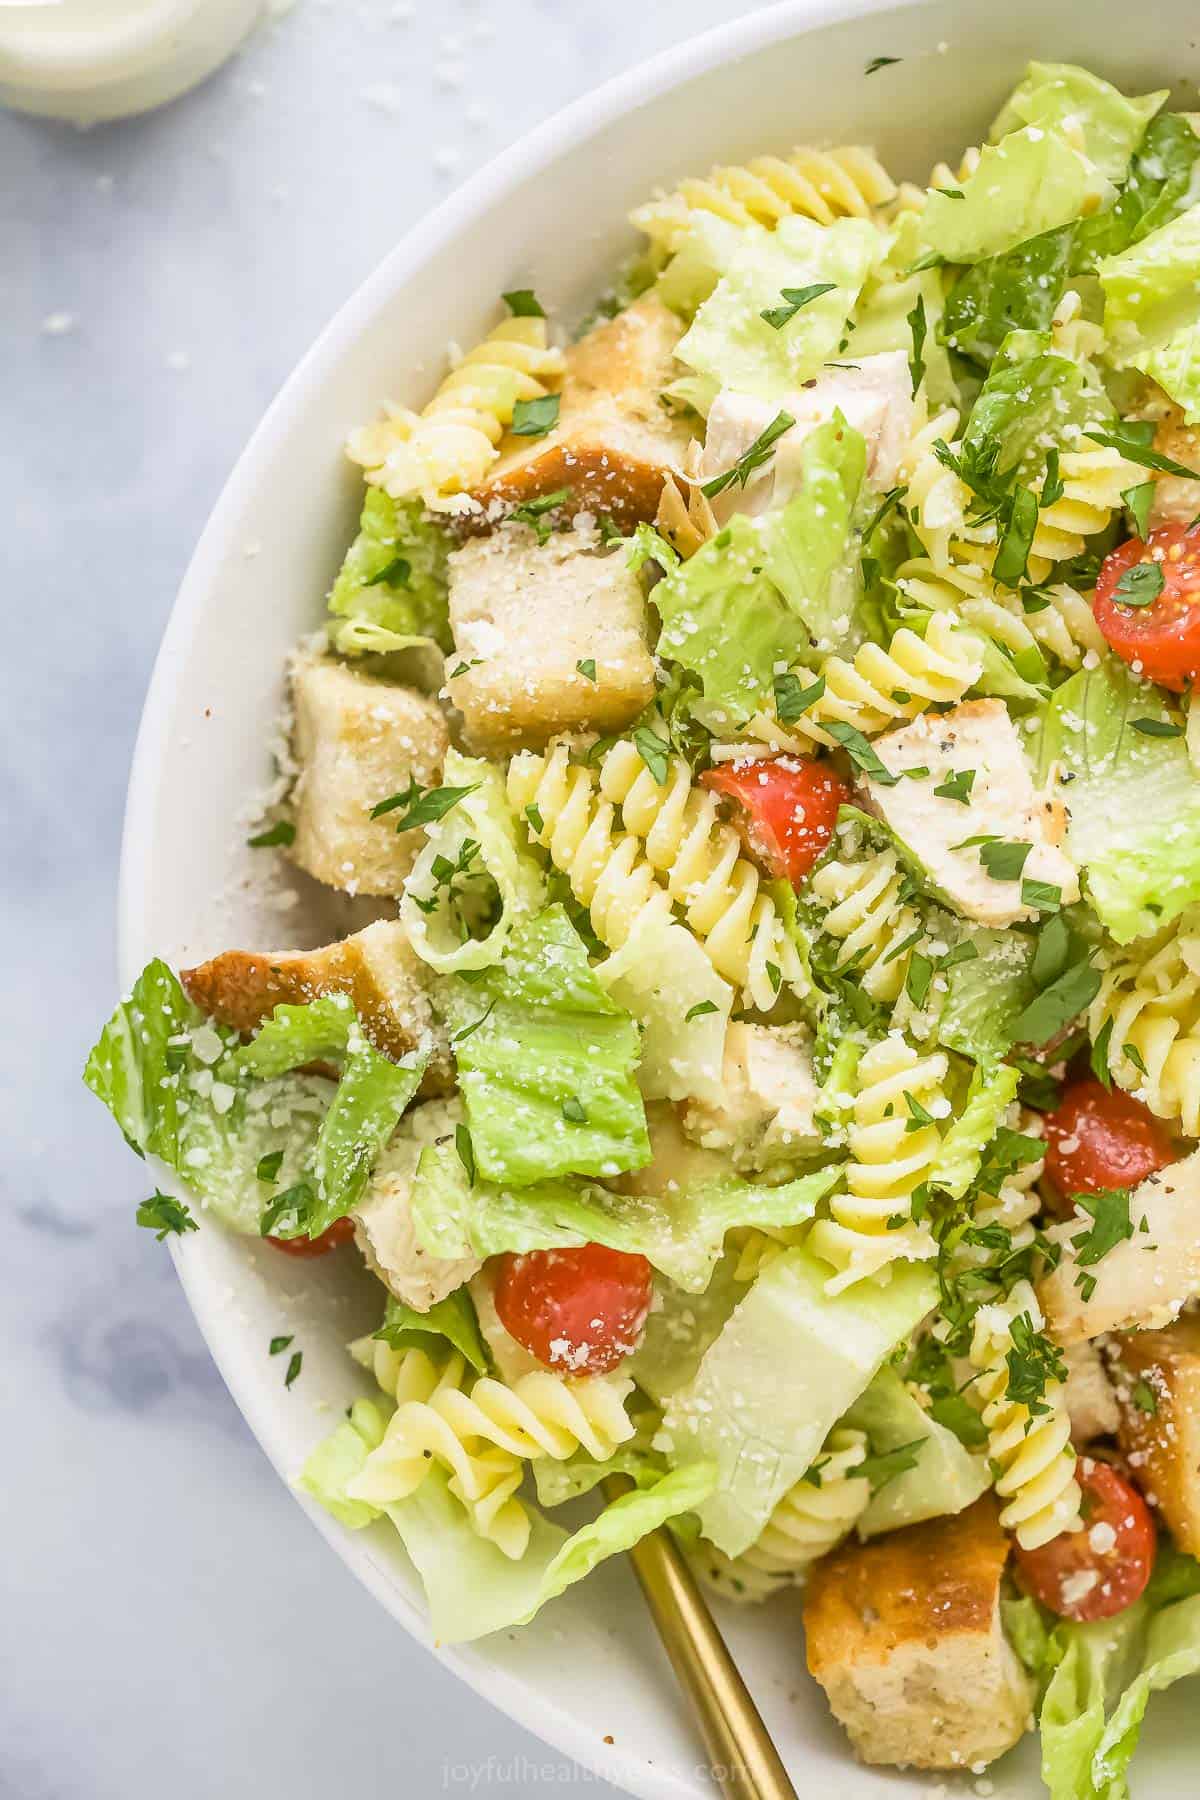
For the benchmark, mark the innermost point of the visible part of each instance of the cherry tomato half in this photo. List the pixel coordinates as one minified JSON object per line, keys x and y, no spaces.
{"x":340,"y":1232}
{"x":788,"y":807}
{"x":1096,"y":1140}
{"x":1101,"y":1569}
{"x":1162,"y":639}
{"x":575,"y":1310}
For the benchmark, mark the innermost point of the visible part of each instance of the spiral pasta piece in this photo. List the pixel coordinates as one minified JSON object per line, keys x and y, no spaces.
{"x":810,"y":1520}
{"x":483,"y":1477}
{"x":673,"y":832}
{"x":1032,"y":1451}
{"x":452,"y":443}
{"x":1151,"y":998}
{"x":823,"y":185}
{"x":1063,"y":628}
{"x":881,"y":687}
{"x":894,"y":1141}
{"x":480,"y":1429}
{"x":867,"y":914}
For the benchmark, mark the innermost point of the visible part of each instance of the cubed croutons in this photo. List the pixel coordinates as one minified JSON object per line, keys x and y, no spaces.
{"x":905,"y":1636}
{"x":377,"y":968}
{"x":383,"y":1223}
{"x":947,"y":836}
{"x":765,"y":1113}
{"x":1157,"y":1375}
{"x":615,"y":443}
{"x":1091,"y":1403}
{"x":357,"y":741}
{"x":553,"y":636}
{"x":1144,"y":1280}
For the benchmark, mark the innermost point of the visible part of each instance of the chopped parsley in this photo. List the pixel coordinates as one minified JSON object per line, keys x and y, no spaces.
{"x":534,"y":815}
{"x":917,"y":979}
{"x":1111,"y":1224}
{"x":701,"y":1009}
{"x":1140,"y":585}
{"x":957,"y":787}
{"x":422,"y":806}
{"x":1052,"y":483}
{"x":1099,"y":1055}
{"x":587,"y":668}
{"x":467,"y":1031}
{"x":1041,"y":896}
{"x":1002,"y":859}
{"x":918,"y":1115}
{"x":282,"y":832}
{"x":295,"y":1364}
{"x":269,"y":1165}
{"x":885,"y":1467}
{"x":1139,"y":500}
{"x":760,"y":451}
{"x":1144,"y":1397}
{"x":880,"y":62}
{"x":395,"y":574}
{"x":466,"y":1151}
{"x":653,"y":751}
{"x":278,"y":1345}
{"x":918,"y":325}
{"x":574,"y":1111}
{"x":1034,"y":1361}
{"x":1016,"y":538}
{"x":523,"y":303}
{"x":1057,"y":1005}
{"x":860,"y":752}
{"x":1134,"y":439}
{"x":1164,"y":728}
{"x":793,"y":299}
{"x":534,"y":512}
{"x":165,"y":1217}
{"x":792,"y":699}
{"x":534,"y":418}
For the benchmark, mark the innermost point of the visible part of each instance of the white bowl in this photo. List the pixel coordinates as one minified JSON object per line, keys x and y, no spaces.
{"x":550,"y":212}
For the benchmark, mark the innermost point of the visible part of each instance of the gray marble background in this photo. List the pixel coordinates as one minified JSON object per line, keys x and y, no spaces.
{"x":169,"y":1623}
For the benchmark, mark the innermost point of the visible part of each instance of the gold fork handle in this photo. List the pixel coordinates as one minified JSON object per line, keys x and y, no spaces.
{"x":744,"y":1762}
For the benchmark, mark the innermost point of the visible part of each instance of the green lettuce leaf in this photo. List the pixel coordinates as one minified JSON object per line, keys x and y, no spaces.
{"x":1015,"y":291}
{"x":474,"y":879}
{"x":786,"y":1366}
{"x":1152,"y":308}
{"x":167,"y":1076}
{"x":1133,"y":799}
{"x":945,"y":1477}
{"x":1032,"y":400}
{"x":368,"y":1104}
{"x":770,"y":592}
{"x":662,"y":976}
{"x":1163,"y":182}
{"x":992,"y":1091}
{"x":340,"y":1457}
{"x":391,"y":591}
{"x":318,"y":1031}
{"x":1172,"y":1652}
{"x":547,"y":1062}
{"x":558,"y":1482}
{"x":883,"y":317}
{"x":1063,"y":98}
{"x":986,"y":994}
{"x":730,"y":344}
{"x":683,"y":1235}
{"x":681,"y":1327}
{"x":703,"y":253}
{"x":472,"y":1588}
{"x":1029,"y":183}
{"x":451,"y":1320}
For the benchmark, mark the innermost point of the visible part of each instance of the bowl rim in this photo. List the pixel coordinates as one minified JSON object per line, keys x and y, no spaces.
{"x":564,"y":130}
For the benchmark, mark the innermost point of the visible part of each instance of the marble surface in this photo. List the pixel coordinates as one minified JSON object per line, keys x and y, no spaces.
{"x":171,"y":1623}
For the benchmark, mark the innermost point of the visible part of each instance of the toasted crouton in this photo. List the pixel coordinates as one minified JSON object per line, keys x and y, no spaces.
{"x":904,"y":1635}
{"x":1158,"y":1387}
{"x":1091,"y":1403}
{"x":1145,"y":1280}
{"x":1174,"y":497}
{"x":357,"y":741}
{"x":765,"y":1112}
{"x":614,"y":444}
{"x":377,"y":967}
{"x":554,"y":637}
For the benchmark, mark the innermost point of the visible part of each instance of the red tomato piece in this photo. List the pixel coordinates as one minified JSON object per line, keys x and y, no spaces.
{"x":340,"y":1232}
{"x":787,"y":807}
{"x":1096,"y":1140}
{"x":1101,"y":1569}
{"x":1160,"y":640}
{"x":575,"y":1310}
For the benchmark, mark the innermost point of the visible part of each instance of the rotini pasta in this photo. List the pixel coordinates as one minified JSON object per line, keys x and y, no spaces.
{"x":1150,"y":997}
{"x":869,"y":918}
{"x":811,"y":1519}
{"x":685,"y":523}
{"x":673,"y":831}
{"x":452,"y":443}
{"x":480,"y":1428}
{"x":894,"y":1139}
{"x":1063,"y":627}
{"x":818,"y":184}
{"x":881,"y":687}
{"x":1032,"y":1451}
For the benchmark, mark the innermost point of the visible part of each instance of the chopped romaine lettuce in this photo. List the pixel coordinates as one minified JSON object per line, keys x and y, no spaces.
{"x":986,"y":993}
{"x":547,"y":1061}
{"x":1164,"y":181}
{"x":340,"y":1457}
{"x":992,"y":1091}
{"x":367,"y":1105}
{"x":1031,"y":401}
{"x":1152,"y":308}
{"x":681,"y":1327}
{"x":945,"y":1477}
{"x":318,"y":1031}
{"x":730,"y":344}
{"x":475,"y":878}
{"x":391,"y":591}
{"x":663,"y":977}
{"x":682,"y":1234}
{"x":1029,"y":183}
{"x":703,"y":252}
{"x":809,"y":543}
{"x":787,"y":1364}
{"x":1015,"y":291}
{"x":451,"y":1320}
{"x":1133,"y":799}
{"x":471,"y":1586}
{"x":883,"y":320}
{"x":1063,"y":98}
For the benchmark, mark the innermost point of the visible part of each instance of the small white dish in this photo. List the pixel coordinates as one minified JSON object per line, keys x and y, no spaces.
{"x":588,"y":1675}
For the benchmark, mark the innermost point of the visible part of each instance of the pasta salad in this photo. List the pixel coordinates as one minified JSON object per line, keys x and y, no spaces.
{"x":759,"y":727}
